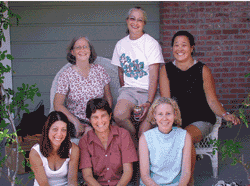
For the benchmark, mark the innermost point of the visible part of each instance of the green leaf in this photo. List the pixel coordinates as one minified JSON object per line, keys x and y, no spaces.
{"x":38,"y":94}
{"x":3,"y":124}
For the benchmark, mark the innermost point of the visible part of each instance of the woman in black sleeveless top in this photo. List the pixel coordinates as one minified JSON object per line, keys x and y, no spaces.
{"x":191,"y":84}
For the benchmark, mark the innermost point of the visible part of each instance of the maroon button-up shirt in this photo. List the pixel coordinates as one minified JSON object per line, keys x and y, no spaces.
{"x":107,"y":165}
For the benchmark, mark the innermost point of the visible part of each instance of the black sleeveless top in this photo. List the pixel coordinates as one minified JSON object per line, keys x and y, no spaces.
{"x":186,"y":87}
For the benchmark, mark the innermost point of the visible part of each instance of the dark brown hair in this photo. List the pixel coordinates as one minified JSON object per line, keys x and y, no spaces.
{"x":45,"y":143}
{"x":97,"y":104}
{"x":72,"y":59}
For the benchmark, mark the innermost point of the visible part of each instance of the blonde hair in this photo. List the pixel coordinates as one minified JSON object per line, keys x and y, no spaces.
{"x":164,"y":100}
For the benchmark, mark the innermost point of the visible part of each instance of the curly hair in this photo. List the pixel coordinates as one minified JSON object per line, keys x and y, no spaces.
{"x":164,"y":100}
{"x":72,"y":59}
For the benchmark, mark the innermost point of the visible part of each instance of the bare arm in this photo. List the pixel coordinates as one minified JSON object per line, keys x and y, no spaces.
{"x":73,"y":166}
{"x":164,"y":83}
{"x":186,"y":162}
{"x":108,"y":95}
{"x":214,"y":104}
{"x":37,"y":168}
{"x":153,"y":82}
{"x":127,"y":174}
{"x":88,"y":177}
{"x":120,"y":74}
{"x":59,"y":106}
{"x":144,"y":162}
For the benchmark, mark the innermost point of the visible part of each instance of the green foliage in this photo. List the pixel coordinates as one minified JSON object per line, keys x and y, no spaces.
{"x":12,"y":102}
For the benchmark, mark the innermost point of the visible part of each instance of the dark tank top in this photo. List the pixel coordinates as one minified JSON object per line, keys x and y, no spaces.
{"x":186,"y":87}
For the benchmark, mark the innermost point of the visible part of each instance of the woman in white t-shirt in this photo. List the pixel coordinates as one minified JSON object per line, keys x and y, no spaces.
{"x":54,"y":160}
{"x":138,"y":57}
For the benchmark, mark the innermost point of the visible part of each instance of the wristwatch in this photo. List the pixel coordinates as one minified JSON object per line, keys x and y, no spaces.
{"x":226,"y":113}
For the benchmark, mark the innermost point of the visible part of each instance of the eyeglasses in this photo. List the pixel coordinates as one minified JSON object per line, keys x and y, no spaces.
{"x":134,"y":19}
{"x":81,"y":47}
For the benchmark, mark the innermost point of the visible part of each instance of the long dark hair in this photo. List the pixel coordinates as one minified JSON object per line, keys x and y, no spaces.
{"x":45,"y":143}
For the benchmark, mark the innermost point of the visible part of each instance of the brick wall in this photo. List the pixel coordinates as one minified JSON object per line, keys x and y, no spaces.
{"x":222,"y":35}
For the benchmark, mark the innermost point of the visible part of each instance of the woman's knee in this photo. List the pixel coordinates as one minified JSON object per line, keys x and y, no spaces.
{"x":195,"y":133}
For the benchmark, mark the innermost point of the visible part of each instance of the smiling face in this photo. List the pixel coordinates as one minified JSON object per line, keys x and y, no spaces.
{"x":164,"y":117}
{"x":182,"y":49}
{"x":100,"y":120}
{"x":81,"y":50}
{"x":136,"y":22}
{"x":57,"y":133}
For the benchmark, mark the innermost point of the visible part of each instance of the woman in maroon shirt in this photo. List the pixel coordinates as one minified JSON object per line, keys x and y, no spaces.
{"x":107,"y":152}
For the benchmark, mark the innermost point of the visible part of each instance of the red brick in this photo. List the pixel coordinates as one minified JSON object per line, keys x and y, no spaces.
{"x":205,"y":26}
{"x":237,"y":80}
{"x":196,"y":21}
{"x":239,"y":14}
{"x":224,"y":91}
{"x":221,"y":15}
{"x":187,"y":27}
{"x":205,"y":59}
{"x":228,"y":75}
{"x":221,"y":3}
{"x":166,"y":22}
{"x":222,"y":59}
{"x":239,"y":3}
{"x":187,"y":3}
{"x":205,"y":37}
{"x":213,"y":53}
{"x":179,"y":21}
{"x":229,"y":9}
{"x":188,"y":15}
{"x":244,"y":20}
{"x":244,"y":53}
{"x":230,"y":31}
{"x":222,"y":26}
{"x":213,"y":42}
{"x":170,"y":27}
{"x":240,"y":37}
{"x":244,"y":85}
{"x":217,"y":75}
{"x":179,"y":10}
{"x":170,"y":4}
{"x":213,"y":9}
{"x":203,"y":48}
{"x":226,"y":85}
{"x":165,"y":10}
{"x":221,"y":70}
{"x":205,"y":3}
{"x":239,"y":58}
{"x":245,"y":31}
{"x":242,"y":91}
{"x":213,"y":32}
{"x":200,"y":43}
{"x":245,"y":9}
{"x":230,"y":96}
{"x":239,"y":25}
{"x":229,"y":64}
{"x":213,"y":64}
{"x":230,"y":42}
{"x":213,"y":21}
{"x":239,"y":47}
{"x":196,"y":9}
{"x":245,"y":64}
{"x":237,"y":69}
{"x":171,"y":16}
{"x":199,"y":54}
{"x":245,"y":42}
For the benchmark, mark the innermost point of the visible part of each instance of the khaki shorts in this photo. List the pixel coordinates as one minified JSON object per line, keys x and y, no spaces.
{"x":136,"y":96}
{"x":205,"y":127}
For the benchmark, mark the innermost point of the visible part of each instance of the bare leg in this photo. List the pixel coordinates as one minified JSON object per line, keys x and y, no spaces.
{"x":122,"y":114}
{"x":196,"y":137}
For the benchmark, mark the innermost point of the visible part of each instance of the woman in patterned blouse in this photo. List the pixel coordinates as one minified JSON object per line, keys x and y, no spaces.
{"x":79,"y":83}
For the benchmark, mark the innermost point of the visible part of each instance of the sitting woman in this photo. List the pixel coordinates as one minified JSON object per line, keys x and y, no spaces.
{"x":165,"y":151}
{"x":107,"y":152}
{"x":191,"y":84}
{"x":79,"y":83}
{"x":55,"y":159}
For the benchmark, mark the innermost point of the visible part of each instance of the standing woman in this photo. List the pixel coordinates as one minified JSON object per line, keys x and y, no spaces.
{"x":138,"y":57}
{"x":191,"y":84}
{"x":81,"y":82}
{"x":54,"y":160}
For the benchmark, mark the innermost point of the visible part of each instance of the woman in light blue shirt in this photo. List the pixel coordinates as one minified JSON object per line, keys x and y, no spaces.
{"x":165,"y":151}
